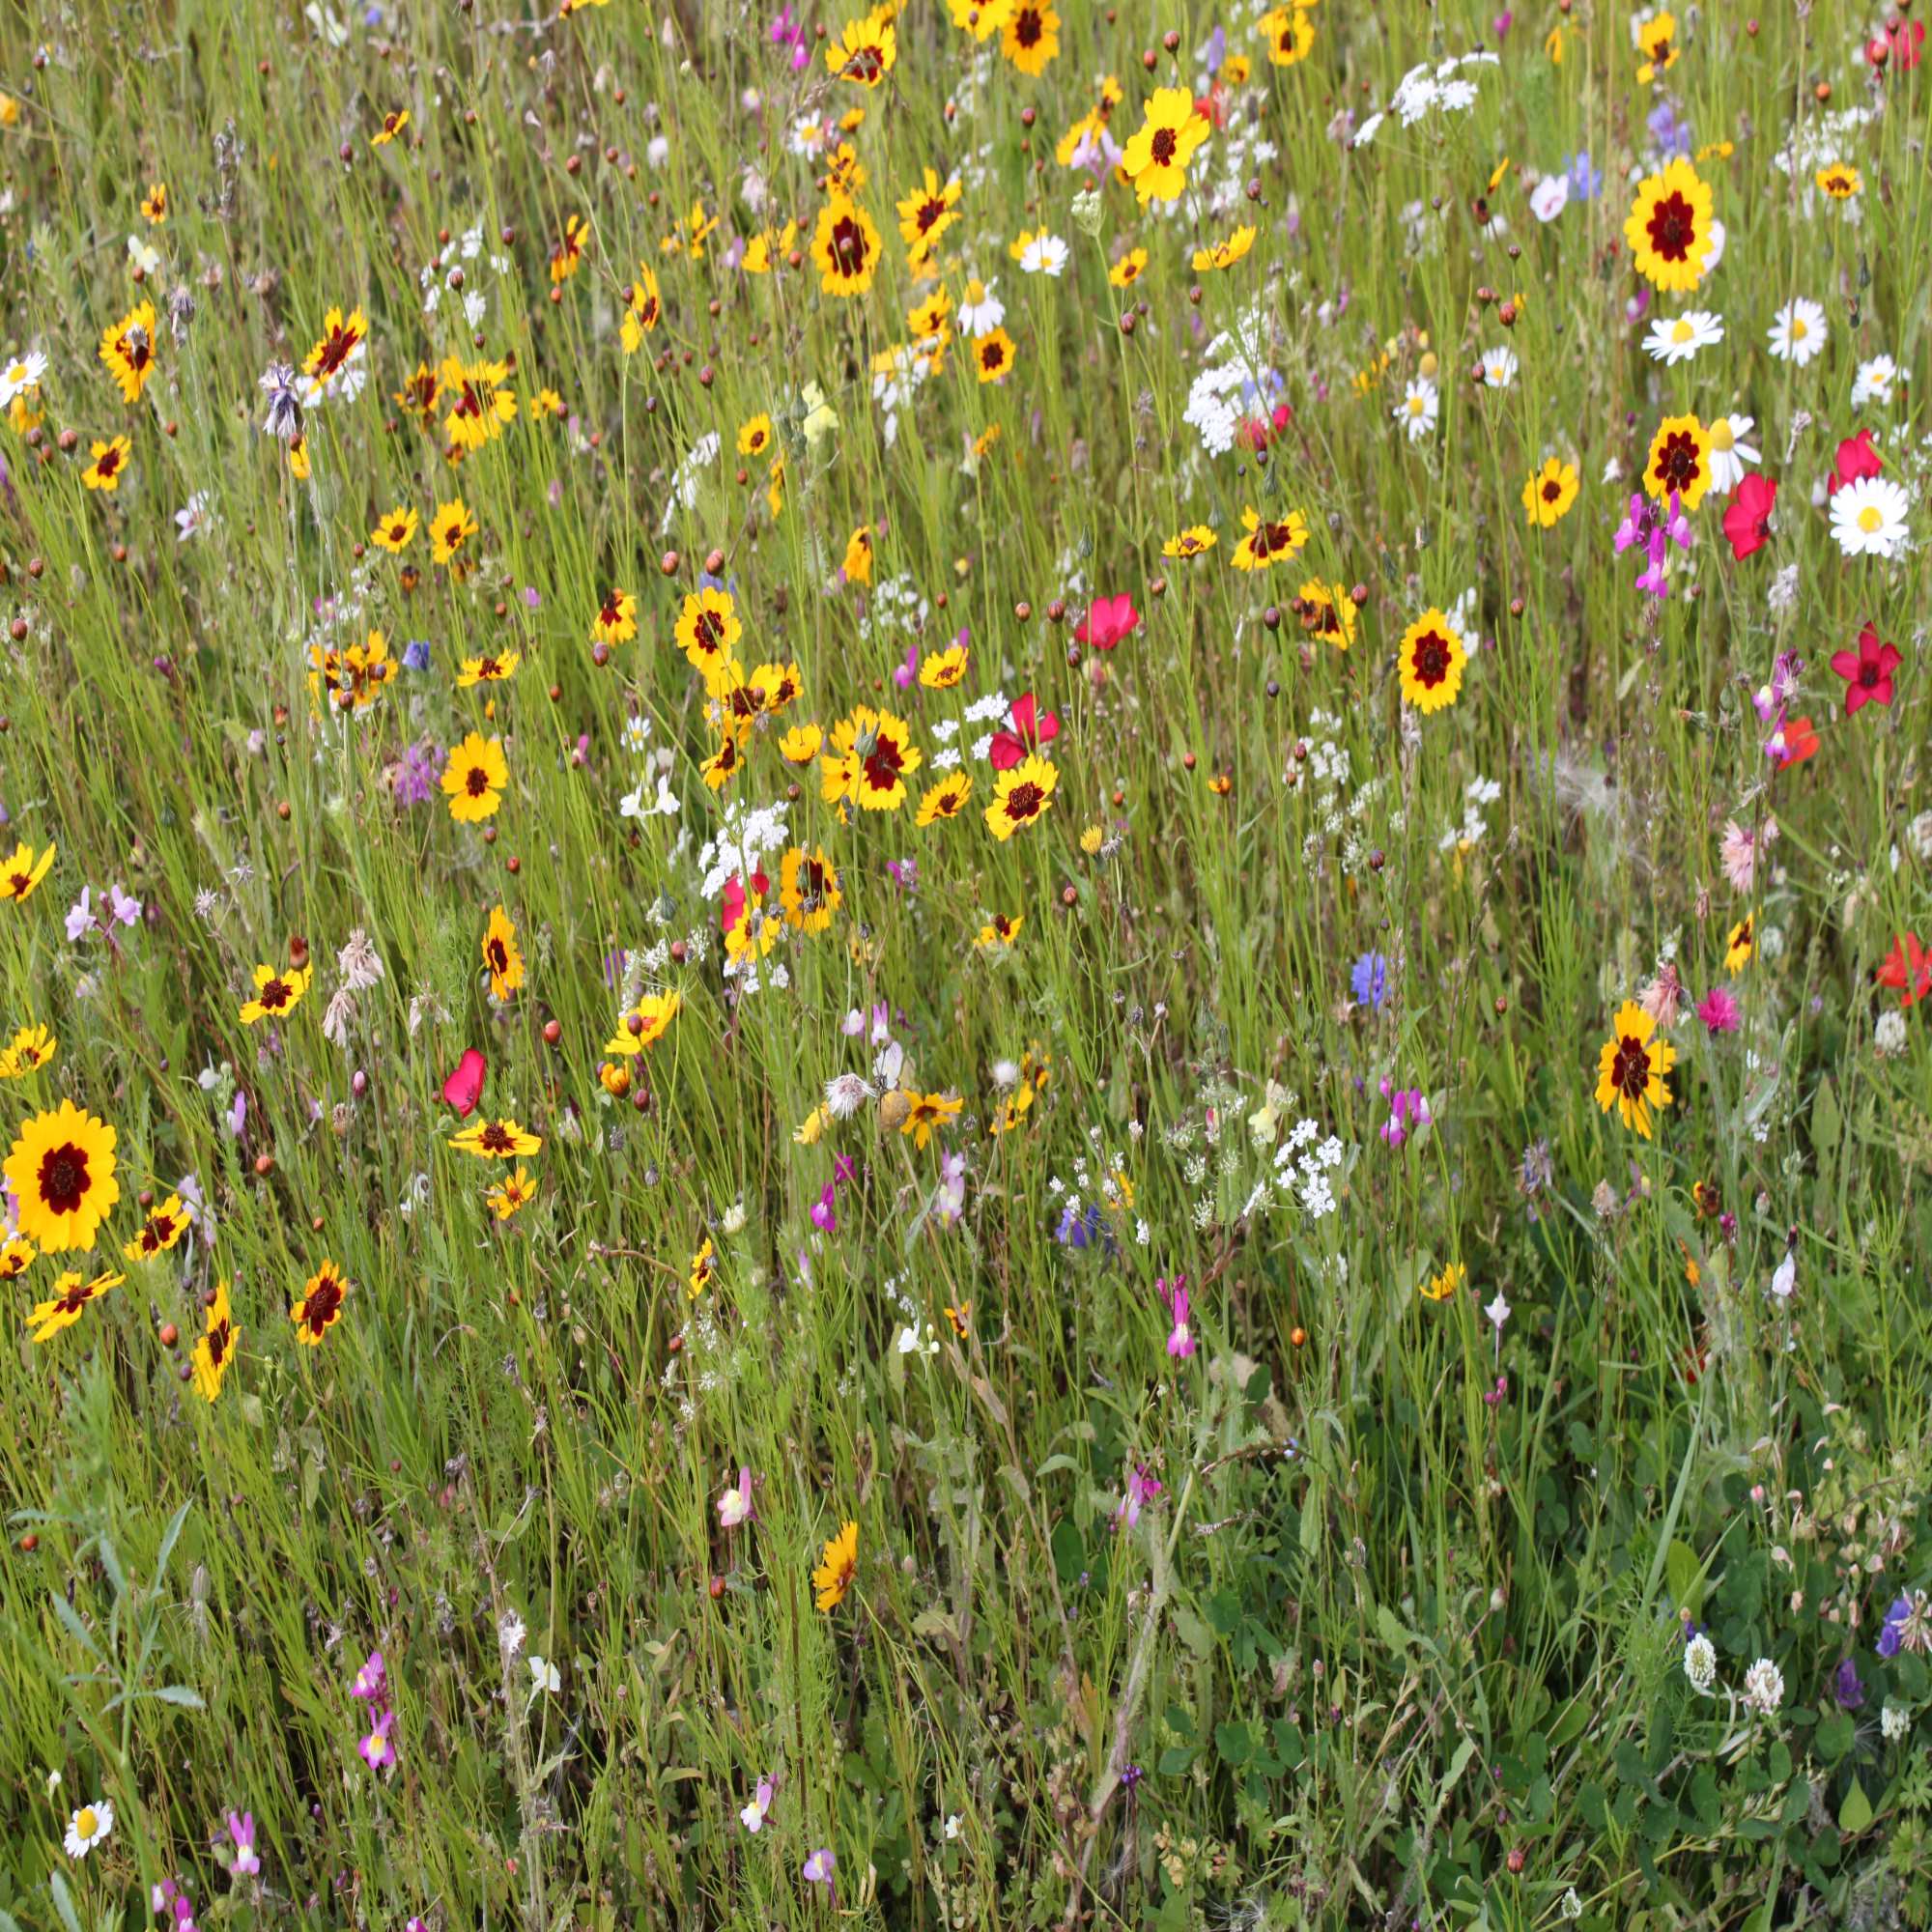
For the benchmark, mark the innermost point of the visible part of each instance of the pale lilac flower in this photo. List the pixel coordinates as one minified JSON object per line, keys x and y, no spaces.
{"x":241,"y":1829}
{"x":1180,"y":1341}
{"x":376,"y":1749}
{"x":752,"y":1817}
{"x":734,"y":1506}
{"x":372,"y":1681}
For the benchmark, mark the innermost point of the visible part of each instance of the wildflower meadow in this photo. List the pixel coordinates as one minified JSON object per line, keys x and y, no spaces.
{"x":965,"y":967}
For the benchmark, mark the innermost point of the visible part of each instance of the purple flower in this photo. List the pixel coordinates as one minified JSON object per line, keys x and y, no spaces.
{"x":80,"y":916}
{"x":416,"y":654}
{"x":822,"y":1216}
{"x":1409,"y":1107}
{"x":787,"y":32}
{"x":416,"y":773}
{"x":372,"y":1681}
{"x":376,"y":1749}
{"x":1719,"y":1011}
{"x":1908,"y":1625}
{"x":1671,"y":136}
{"x":1585,"y":182}
{"x":1142,"y":1489}
{"x":818,"y":1869}
{"x":950,"y":1199}
{"x":241,"y":1829}
{"x":1848,"y":1687}
{"x":125,"y":908}
{"x":906,"y":675}
{"x":1180,"y":1341}
{"x":1368,"y":981}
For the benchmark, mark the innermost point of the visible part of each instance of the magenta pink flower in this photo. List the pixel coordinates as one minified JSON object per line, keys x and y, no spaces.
{"x":1719,"y":1011}
{"x":1107,"y":622}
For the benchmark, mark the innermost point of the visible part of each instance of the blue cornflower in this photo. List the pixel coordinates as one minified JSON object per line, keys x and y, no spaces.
{"x":1368,"y":981}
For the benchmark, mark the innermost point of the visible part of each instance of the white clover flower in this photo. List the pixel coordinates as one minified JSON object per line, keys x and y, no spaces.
{"x":1700,"y":1665}
{"x":1764,"y":1687}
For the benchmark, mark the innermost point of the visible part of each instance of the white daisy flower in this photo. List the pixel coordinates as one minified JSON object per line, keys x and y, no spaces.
{"x":1671,"y":341}
{"x":1730,"y":454}
{"x":982,"y":311}
{"x":1799,"y":331}
{"x":1418,"y":409}
{"x":1499,"y":367}
{"x":1876,"y":381}
{"x":88,"y":1825}
{"x":1868,"y":517}
{"x":20,"y":376}
{"x":1045,"y":255}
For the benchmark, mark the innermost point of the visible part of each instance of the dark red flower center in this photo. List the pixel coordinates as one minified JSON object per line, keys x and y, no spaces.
{"x":848,"y":246}
{"x":1163,"y":147}
{"x":273,"y":997}
{"x":1630,"y":1072}
{"x":498,"y":956}
{"x":63,"y":1177}
{"x":1430,"y":659}
{"x":883,"y":764}
{"x":1024,"y":802}
{"x":1028,"y":27}
{"x":337,"y":346}
{"x":110,"y":462}
{"x":476,"y":782}
{"x":496,"y":1138}
{"x":323,"y":1303}
{"x":218,"y":1339}
{"x":1679,"y":461}
{"x":1673,"y":227}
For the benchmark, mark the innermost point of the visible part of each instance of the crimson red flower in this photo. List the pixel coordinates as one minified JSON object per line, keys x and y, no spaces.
{"x":1107,"y":622}
{"x":1747,"y":516}
{"x":1905,"y":38}
{"x":1801,"y":741}
{"x":1032,"y":729}
{"x":1907,"y":966}
{"x":465,"y":1087}
{"x":1855,"y":458}
{"x":735,"y":898}
{"x":1868,"y":670}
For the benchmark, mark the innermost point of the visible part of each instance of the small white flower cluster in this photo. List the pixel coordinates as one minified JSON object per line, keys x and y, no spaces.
{"x":745,"y":834}
{"x":895,"y":606}
{"x":444,"y":272}
{"x":701,"y":456}
{"x":1444,"y":88}
{"x":1479,"y":792}
{"x":658,"y":764}
{"x":1302,"y":1169}
{"x":1237,"y":370}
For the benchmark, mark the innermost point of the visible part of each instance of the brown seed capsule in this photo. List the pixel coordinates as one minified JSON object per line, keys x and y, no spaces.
{"x":1023,"y":611}
{"x":1187,"y":760}
{"x":1271,"y":617}
{"x":717,"y":1588}
{"x":600,"y":654}
{"x":513,"y":865}
{"x":265,"y":1165}
{"x":714,"y":564}
{"x":1158,"y":587}
{"x":678,"y":951}
{"x":1069,"y":896}
{"x":1297,"y":1336}
{"x":282,"y":810}
{"x":552,"y":1032}
{"x":170,"y":1334}
{"x":1516,"y":607}
{"x":30,"y":1543}
{"x":668,"y":563}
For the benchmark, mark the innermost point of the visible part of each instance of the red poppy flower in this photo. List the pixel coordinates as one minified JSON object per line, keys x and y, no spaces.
{"x":1801,"y":741}
{"x":1107,"y":622}
{"x":1904,"y":38}
{"x":1868,"y":670}
{"x":1032,"y":729}
{"x":1907,"y":966}
{"x":731,"y":906}
{"x":1747,"y":517}
{"x":465,"y":1087}
{"x":1855,"y":458}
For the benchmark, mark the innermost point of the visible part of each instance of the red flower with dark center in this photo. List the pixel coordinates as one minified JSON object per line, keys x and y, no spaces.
{"x":1801,"y":741}
{"x":1907,"y":966}
{"x":1868,"y":670}
{"x":63,"y":1177}
{"x":1747,"y":517}
{"x":1031,"y":729}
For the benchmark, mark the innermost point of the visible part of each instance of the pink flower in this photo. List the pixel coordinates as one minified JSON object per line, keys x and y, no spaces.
{"x":1856,"y":459}
{"x":376,"y":1751}
{"x":1032,"y":729}
{"x":1659,"y":998}
{"x":1180,"y":1341}
{"x":1107,"y":622}
{"x":372,"y":1681}
{"x":1740,"y":849}
{"x":1719,"y":1011}
{"x":1142,"y":1489}
{"x":734,"y":1506}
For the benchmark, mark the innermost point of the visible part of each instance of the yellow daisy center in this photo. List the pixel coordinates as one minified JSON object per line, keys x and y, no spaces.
{"x":1870,"y":518}
{"x":1799,"y":331}
{"x":1682,"y":333}
{"x":1721,"y":434}
{"x":85,"y":1821}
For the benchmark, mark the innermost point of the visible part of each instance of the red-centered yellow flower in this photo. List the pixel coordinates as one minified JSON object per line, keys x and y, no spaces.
{"x":857,"y":564}
{"x":616,"y":618}
{"x":498,"y":1140}
{"x":216,"y":1350}
{"x":514,"y":1192}
{"x":643,"y":312}
{"x":1031,"y":36}
{"x":154,"y":205}
{"x":162,"y":1229}
{"x":838,"y":1567}
{"x":845,"y":247}
{"x":867,"y":50}
{"x":61,"y":1171}
{"x":63,"y":1308}
{"x":704,"y":1267}
{"x":1128,"y":270}
{"x":707,"y":628}
{"x":491,"y":668}
{"x":1193,"y":542}
{"x":22,"y":873}
{"x":17,"y":1256}
{"x":106,"y":463}
{"x":1547,"y":496}
{"x":1432,"y":658}
{"x":1000,"y":930}
{"x":396,"y":532}
{"x":393,"y":124}
{"x":1224,"y":255}
{"x":30,"y":1049}
{"x":319,"y":1307}
{"x":1656,"y":43}
{"x":926,"y":1113}
{"x":1327,"y":612}
{"x":943,"y":670}
{"x":981,"y":18}
{"x":1670,"y":228}
{"x":808,"y":893}
{"x":277,"y":993}
{"x":1631,"y":1069}
{"x":993,"y":356}
{"x":1021,"y":796}
{"x":354,"y":677}
{"x":481,"y":404}
{"x":1679,"y":460}
{"x":767,"y":249}
{"x":1264,"y":544}
{"x":128,"y":350}
{"x":872,"y":756}
{"x":1288,"y":34}
{"x":567,"y":256}
{"x":754,"y":436}
{"x":645,"y":1024}
{"x":475,"y":779}
{"x":924,"y":216}
{"x":344,"y":339}
{"x":450,"y":530}
{"x":417,"y":397}
{"x":801,"y":744}
{"x":1156,"y":160}
{"x":502,"y":959}
{"x":945,"y":800}
{"x":1740,"y":946}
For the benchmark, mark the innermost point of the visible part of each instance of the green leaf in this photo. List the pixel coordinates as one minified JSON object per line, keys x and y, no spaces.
{"x":1234,"y":1744}
{"x":177,"y":1694}
{"x":63,"y":1901}
{"x":1855,"y":1814}
{"x":168,"y":1537}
